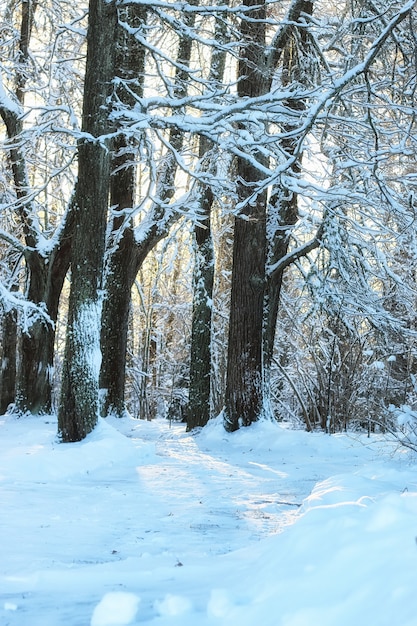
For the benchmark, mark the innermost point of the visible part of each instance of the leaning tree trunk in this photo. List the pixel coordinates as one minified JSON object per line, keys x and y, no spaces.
{"x":34,"y":380}
{"x":244,"y":398}
{"x":37,"y":345}
{"x":78,"y":409}
{"x":124,"y":260}
{"x":121,"y":257}
{"x":45,"y":272}
{"x":283,"y":205}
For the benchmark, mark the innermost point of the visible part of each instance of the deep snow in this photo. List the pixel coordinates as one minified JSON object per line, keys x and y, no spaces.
{"x":145,"y":524}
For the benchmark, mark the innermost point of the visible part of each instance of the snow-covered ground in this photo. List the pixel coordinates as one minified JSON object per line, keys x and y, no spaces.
{"x":143,"y":524}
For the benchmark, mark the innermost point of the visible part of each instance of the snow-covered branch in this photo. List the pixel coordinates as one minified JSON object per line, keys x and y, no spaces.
{"x":30,"y":313}
{"x":296,"y":253}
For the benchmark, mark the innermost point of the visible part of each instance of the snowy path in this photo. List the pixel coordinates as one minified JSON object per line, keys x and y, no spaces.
{"x":142,"y":524}
{"x":108,"y":510}
{"x":228,"y":505}
{"x":222,"y":496}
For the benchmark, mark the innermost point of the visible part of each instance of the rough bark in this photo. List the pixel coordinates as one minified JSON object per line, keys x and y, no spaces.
{"x":78,"y":409}
{"x":125,"y":260}
{"x":244,"y":398}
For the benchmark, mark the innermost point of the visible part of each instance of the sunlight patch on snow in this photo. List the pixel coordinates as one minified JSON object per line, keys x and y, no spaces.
{"x":269,"y":469}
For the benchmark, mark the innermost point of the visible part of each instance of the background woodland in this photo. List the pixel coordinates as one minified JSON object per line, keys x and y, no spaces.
{"x":209,"y":207}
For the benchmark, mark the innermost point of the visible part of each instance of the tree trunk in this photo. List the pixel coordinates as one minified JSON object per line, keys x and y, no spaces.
{"x":8,"y":360}
{"x":45,"y":273}
{"x":45,"y":278}
{"x":244,"y":398}
{"x":34,"y":383}
{"x":37,"y":345}
{"x":78,"y":409}
{"x":121,"y":258}
{"x":199,"y":405}
{"x":126,"y":258}
{"x":120,"y":276}
{"x":244,"y":379}
{"x":283,"y":206}
{"x":198,"y":410}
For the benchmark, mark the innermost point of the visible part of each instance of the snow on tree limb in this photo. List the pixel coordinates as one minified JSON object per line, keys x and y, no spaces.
{"x":296,"y":253}
{"x":8,"y":105}
{"x":30,"y":312}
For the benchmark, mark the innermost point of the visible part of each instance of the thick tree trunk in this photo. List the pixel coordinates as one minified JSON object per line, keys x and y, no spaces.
{"x":33,"y":390}
{"x":244,"y":379}
{"x":78,"y":410}
{"x":244,"y":398}
{"x":46,"y":276}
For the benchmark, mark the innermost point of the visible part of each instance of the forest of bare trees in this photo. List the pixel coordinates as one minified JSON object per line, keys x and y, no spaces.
{"x":208,"y":207}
